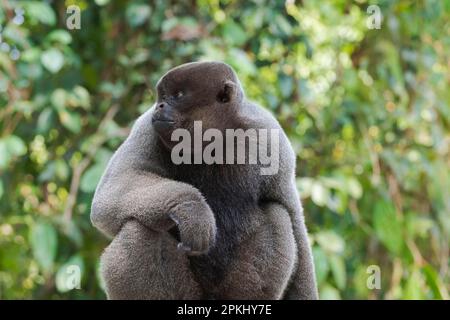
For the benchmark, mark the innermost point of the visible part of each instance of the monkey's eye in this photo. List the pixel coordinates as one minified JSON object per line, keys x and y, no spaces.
{"x":179,"y":94}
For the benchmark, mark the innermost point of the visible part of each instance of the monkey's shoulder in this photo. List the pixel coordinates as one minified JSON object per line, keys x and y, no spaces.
{"x":253,"y":116}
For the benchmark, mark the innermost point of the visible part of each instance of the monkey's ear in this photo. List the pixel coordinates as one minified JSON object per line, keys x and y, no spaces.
{"x":228,"y":92}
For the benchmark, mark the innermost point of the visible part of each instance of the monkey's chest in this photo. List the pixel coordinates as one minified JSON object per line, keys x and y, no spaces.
{"x":233,"y":222}
{"x":232,"y":194}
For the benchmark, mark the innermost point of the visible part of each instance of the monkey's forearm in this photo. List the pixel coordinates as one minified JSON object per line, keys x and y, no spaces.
{"x":302,"y":284}
{"x":147,"y":198}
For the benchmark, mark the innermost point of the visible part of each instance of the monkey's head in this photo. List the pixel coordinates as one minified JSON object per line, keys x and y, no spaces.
{"x":199,"y":91}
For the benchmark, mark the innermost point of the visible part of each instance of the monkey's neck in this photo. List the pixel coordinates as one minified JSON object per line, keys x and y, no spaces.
{"x":226,"y":183}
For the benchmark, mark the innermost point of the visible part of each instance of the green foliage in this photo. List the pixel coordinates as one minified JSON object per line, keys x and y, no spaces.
{"x":367,"y":112}
{"x":43,"y":245}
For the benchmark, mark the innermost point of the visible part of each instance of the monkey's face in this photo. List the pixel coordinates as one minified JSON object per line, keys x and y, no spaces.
{"x":201,"y":91}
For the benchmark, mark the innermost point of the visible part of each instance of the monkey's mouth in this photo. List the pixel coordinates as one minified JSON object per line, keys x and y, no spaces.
{"x":162,"y":119}
{"x":162,"y":123}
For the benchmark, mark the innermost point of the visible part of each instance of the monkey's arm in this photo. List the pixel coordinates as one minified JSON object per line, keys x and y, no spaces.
{"x":281,"y":189}
{"x":303,"y":283}
{"x":157,"y":203}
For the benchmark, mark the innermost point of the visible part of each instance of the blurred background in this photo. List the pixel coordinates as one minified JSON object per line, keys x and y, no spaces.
{"x":366,"y":109}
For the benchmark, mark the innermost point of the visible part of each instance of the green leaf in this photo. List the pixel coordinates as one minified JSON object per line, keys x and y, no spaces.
{"x":319,"y":194}
{"x":418,"y":226}
{"x":91,"y":178}
{"x":359,"y":280}
{"x":70,"y":120}
{"x":388,"y":227}
{"x":304,"y":186}
{"x":10,"y":147}
{"x":52,"y":60}
{"x":338,"y":270}
{"x":73,"y":232}
{"x":98,"y":275}
{"x":59,"y":98}
{"x":282,"y":25}
{"x":44,"y":241}
{"x":328,"y":292}
{"x":15,"y":146}
{"x":40,"y":11}
{"x":117,"y":89}
{"x":330,"y":241}
{"x":102,"y":157}
{"x":1,"y":189}
{"x":61,"y":169}
{"x":48,"y":173}
{"x":233,"y":33}
{"x":414,"y":286}
{"x":102,"y":2}
{"x":138,"y":14}
{"x":435,"y":283}
{"x":45,"y":120}
{"x":321,"y":264}
{"x":354,"y":188}
{"x":61,"y":36}
{"x":82,"y":97}
{"x":241,"y":61}
{"x":286,"y":85}
{"x":68,"y":276}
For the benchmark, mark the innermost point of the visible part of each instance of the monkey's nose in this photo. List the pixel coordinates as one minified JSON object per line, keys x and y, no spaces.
{"x":161,"y":105}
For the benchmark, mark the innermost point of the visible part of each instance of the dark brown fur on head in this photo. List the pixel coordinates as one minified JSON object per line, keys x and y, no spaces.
{"x":197,"y":91}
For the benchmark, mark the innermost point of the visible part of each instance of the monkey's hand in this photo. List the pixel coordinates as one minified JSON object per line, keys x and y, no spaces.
{"x":197,"y":226}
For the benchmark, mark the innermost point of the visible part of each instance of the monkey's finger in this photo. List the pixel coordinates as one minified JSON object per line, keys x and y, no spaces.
{"x":182,"y":247}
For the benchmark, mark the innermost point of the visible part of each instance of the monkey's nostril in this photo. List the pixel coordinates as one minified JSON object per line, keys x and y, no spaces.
{"x":161,"y":105}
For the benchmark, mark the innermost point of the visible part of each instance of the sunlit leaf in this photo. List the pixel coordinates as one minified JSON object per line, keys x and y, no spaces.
{"x":91,"y":177}
{"x":414,"y":285}
{"x":319,"y":194}
{"x":354,"y":188}
{"x":82,"y":96}
{"x":40,"y":11}
{"x":436,"y":283}
{"x":328,"y":292}
{"x":59,"y":99}
{"x":43,"y":240}
{"x":61,"y":36}
{"x":233,"y":33}
{"x":321,"y":264}
{"x":45,"y":120}
{"x":241,"y":61}
{"x":102,"y":2}
{"x":52,"y":60}
{"x":338,"y":270}
{"x":70,"y":120}
{"x":388,"y":227}
{"x":15,"y":146}
{"x":137,"y":14}
{"x":330,"y":241}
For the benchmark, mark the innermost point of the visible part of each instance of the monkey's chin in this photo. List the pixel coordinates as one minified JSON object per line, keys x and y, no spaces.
{"x":162,"y":125}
